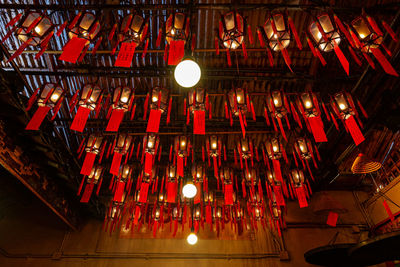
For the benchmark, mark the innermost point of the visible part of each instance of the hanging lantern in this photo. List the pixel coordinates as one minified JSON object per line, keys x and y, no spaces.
{"x":297,"y":177}
{"x":114,"y":214}
{"x":277,"y":33}
{"x":368,"y":38}
{"x":345,"y":109}
{"x":48,"y":97}
{"x":251,"y":179}
{"x":275,"y":151}
{"x":132,"y":33}
{"x":94,"y":178}
{"x":199,"y":178}
{"x":82,"y":31}
{"x":214,"y":151}
{"x":35,"y":29}
{"x":305,"y":150}
{"x":143,"y":184}
{"x":151,"y":144}
{"x":94,"y":145}
{"x":121,"y":146}
{"x":276,"y":214}
{"x":197,"y":104}
{"x":182,"y":150}
{"x":90,"y":98}
{"x":177,"y":216}
{"x":122,"y":101}
{"x":271,"y":177}
{"x":226,"y":177}
{"x":245,"y":150}
{"x":160,"y":102}
{"x":308,"y":105}
{"x":208,"y":198}
{"x":123,"y":182}
{"x":278,"y":107}
{"x":157,"y":218}
{"x":275,"y":186}
{"x":239,"y":106}
{"x":231,"y":33}
{"x":172,"y":183}
{"x":325,"y":36}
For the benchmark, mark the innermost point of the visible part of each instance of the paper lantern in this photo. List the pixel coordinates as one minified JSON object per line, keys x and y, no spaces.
{"x":122,"y":101}
{"x":90,"y":98}
{"x":94,"y":178}
{"x":275,"y":151}
{"x":172,"y":178}
{"x":277,"y":107}
{"x":226,"y":177}
{"x":214,"y":151}
{"x":277,"y":33}
{"x":151,"y":143}
{"x":131,"y":33}
{"x":198,"y":104}
{"x":82,"y":31}
{"x":238,"y":104}
{"x":121,"y":147}
{"x":199,"y":176}
{"x":182,"y":148}
{"x":305,"y":150}
{"x":245,"y":149}
{"x":94,"y":145}
{"x":35,"y":28}
{"x":297,"y":178}
{"x":115,"y":212}
{"x":122,"y":182}
{"x":48,"y":97}
{"x":159,"y":102}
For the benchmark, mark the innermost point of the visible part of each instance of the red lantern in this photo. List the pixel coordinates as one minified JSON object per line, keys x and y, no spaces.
{"x":368,"y":38}
{"x":251,"y":179}
{"x":121,"y":146}
{"x":239,"y":106}
{"x":277,"y":33}
{"x":151,"y":143}
{"x":35,"y":29}
{"x":93,"y":145}
{"x":114,"y":214}
{"x":172,"y":178}
{"x":305,"y":150}
{"x":245,"y":150}
{"x":343,"y":106}
{"x":197,"y":104}
{"x":144,"y":181}
{"x":122,"y":183}
{"x":82,"y":30}
{"x":48,"y":97}
{"x":278,"y":107}
{"x":199,"y":176}
{"x":182,"y":148}
{"x":297,"y":177}
{"x":226,"y":177}
{"x":177,"y":216}
{"x":276,"y":214}
{"x":90,"y":98}
{"x":160,"y":102}
{"x":122,"y":101}
{"x":275,"y":151}
{"x":95,"y":177}
{"x":275,"y":186}
{"x":214,"y":151}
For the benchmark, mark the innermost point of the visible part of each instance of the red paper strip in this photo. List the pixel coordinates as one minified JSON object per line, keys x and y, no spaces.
{"x":73,"y":49}
{"x":301,"y":196}
{"x":148,"y":164}
{"x":144,"y":190}
{"x":317,"y":129}
{"x":117,"y":115}
{"x":176,"y":52}
{"x":228,"y":194}
{"x":179,"y":167}
{"x":332,"y":219}
{"x":88,"y":163}
{"x":87,"y":193}
{"x":199,"y":122}
{"x":388,"y":210}
{"x":277,"y":169}
{"x":342,"y":59}
{"x":197,"y":197}
{"x":81,"y":116}
{"x":153,"y":124}
{"x":125,"y":55}
{"x":387,"y":67}
{"x":354,"y":130}
{"x":37,"y":118}
{"x":279,"y":195}
{"x":116,"y":162}
{"x":172,"y":190}
{"x":119,"y":191}
{"x":208,"y":214}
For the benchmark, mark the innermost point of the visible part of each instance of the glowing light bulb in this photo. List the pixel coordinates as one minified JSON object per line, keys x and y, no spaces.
{"x":183,"y":143}
{"x":238,"y":98}
{"x":243,"y":148}
{"x":308,"y":104}
{"x":173,"y":32}
{"x":189,"y":190}
{"x":362,"y":36}
{"x":187,"y":73}
{"x":342,"y":106}
{"x":54,"y":97}
{"x":135,"y":34}
{"x":275,"y":35}
{"x":214,"y":145}
{"x":154,"y":99}
{"x":276,"y":101}
{"x":38,"y":29}
{"x":171,"y":174}
{"x":302,"y":148}
{"x":150,"y":144}
{"x":319,"y":35}
{"x":198,"y":175}
{"x":124,"y":99}
{"x":85,"y":33}
{"x":234,"y":45}
{"x":192,"y":239}
{"x":275,"y":148}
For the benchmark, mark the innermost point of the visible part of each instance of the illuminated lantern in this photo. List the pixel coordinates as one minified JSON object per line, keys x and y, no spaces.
{"x":208,"y":198}
{"x":197,"y":104}
{"x":237,"y":216}
{"x":275,"y":151}
{"x":276,"y":185}
{"x":82,"y":31}
{"x":197,"y":216}
{"x":199,"y":177}
{"x":90,"y":98}
{"x":95,"y":177}
{"x":48,"y":97}
{"x":305,"y":151}
{"x":177,"y":216}
{"x":171,"y":183}
{"x":231,"y":33}
{"x":277,"y":33}
{"x":93,"y":145}
{"x":122,"y":183}
{"x":151,"y":143}
{"x":218,"y":217}
{"x":177,"y":33}
{"x":121,"y":146}
{"x":35,"y":29}
{"x":276,"y":214}
{"x":122,"y":101}
{"x":226,"y":177}
{"x":325,"y":35}
{"x":214,"y":151}
{"x":132,"y":33}
{"x":278,"y":107}
{"x":251,"y":178}
{"x":114,"y":214}
{"x":239,"y":106}
{"x":160,"y":102}
{"x":345,"y":109}
{"x":297,"y":177}
{"x":308,"y":105}
{"x":182,"y":148}
{"x":157,"y":218}
{"x":368,"y":38}
{"x":245,"y":150}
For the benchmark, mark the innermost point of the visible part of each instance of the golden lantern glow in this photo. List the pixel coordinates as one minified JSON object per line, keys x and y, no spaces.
{"x":123,"y":143}
{"x":87,"y":27}
{"x":297,"y":177}
{"x":177,"y":27}
{"x":330,"y":31}
{"x":122,"y":97}
{"x":37,"y":34}
{"x":231,"y":30}
{"x":94,"y":143}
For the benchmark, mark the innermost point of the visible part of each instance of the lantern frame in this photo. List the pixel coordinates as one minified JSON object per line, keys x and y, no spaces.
{"x":177,"y":213}
{"x":369,"y":41}
{"x":297,"y":177}
{"x":95,"y":174}
{"x":90,"y":96}
{"x":217,"y":213}
{"x":171,"y":173}
{"x":271,"y":177}
{"x":284,"y":35}
{"x":123,"y":97}
{"x":199,"y":172}
{"x":175,"y":33}
{"x":276,"y":103}
{"x":87,"y":32}
{"x":129,"y":33}
{"x":197,"y":99}
{"x":94,"y":143}
{"x":155,"y":102}
{"x":226,"y":174}
{"x":245,"y":147}
{"x":23,"y":34}
{"x":233,"y":37}
{"x":331,"y":32}
{"x":252,"y":174}
{"x":238,"y":100}
{"x":181,"y":145}
{"x":123,"y":143}
{"x":50,"y":95}
{"x":150,"y":143}
{"x":213,"y":144}
{"x":342,"y":104}
{"x":270,"y":148}
{"x":303,"y":146}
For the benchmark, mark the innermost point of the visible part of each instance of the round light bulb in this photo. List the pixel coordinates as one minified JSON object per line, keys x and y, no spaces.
{"x":192,"y":239}
{"x":214,"y":145}
{"x":38,"y":29}
{"x":362,"y":36}
{"x":274,"y":148}
{"x":154,"y":99}
{"x":308,"y":104}
{"x":189,"y":190}
{"x":124,"y":99}
{"x":54,"y":97}
{"x":276,"y":101}
{"x":187,"y":73}
{"x":342,"y":106}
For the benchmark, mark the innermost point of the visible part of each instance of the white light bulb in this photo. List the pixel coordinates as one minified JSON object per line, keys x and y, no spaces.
{"x":154,"y":99}
{"x":38,"y":29}
{"x":187,"y":73}
{"x":234,"y":45}
{"x":214,"y":145}
{"x":183,"y":143}
{"x":192,"y":239}
{"x":276,"y":101}
{"x":150,"y":144}
{"x":319,"y":35}
{"x":275,"y":148}
{"x":124,"y":99}
{"x":275,"y":35}
{"x":362,"y":36}
{"x":342,"y":106}
{"x":238,"y":98}
{"x":173,"y":32}
{"x":189,"y":190}
{"x":308,"y":104}
{"x":198,"y":175}
{"x":54,"y":97}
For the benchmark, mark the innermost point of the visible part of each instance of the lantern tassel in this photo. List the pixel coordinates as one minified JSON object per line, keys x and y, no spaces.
{"x":144,"y":190}
{"x":228,"y":57}
{"x":390,"y":31}
{"x":116,"y":163}
{"x":294,"y":31}
{"x":317,"y":129}
{"x":176,"y":52}
{"x":342,"y":58}
{"x":216,"y":44}
{"x":301,"y":196}
{"x":281,"y":128}
{"x":242,"y":124}
{"x":270,"y":57}
{"x":37,"y":118}
{"x":354,"y":56}
{"x":87,"y":193}
{"x":32,"y":99}
{"x":20,"y":49}
{"x":148,"y":164}
{"x":387,"y":67}
{"x":228,"y":194}
{"x":88,"y":163}
{"x":354,"y":130}
{"x":13,"y":20}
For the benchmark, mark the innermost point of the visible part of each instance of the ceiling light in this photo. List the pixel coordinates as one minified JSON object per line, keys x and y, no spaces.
{"x":187,"y":73}
{"x":192,"y":239}
{"x":189,"y":190}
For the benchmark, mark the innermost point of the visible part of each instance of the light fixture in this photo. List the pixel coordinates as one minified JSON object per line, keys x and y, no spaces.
{"x":187,"y":73}
{"x":192,"y":239}
{"x":189,"y":190}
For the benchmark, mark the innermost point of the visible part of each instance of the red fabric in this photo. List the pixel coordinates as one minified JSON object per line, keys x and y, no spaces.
{"x":116,"y":162}
{"x":87,"y":193}
{"x":354,"y":130}
{"x":332,"y":219}
{"x":317,"y":129}
{"x":242,"y":124}
{"x":144,"y":190}
{"x":199,"y":122}
{"x":148,"y":164}
{"x":117,"y":115}
{"x":342,"y":59}
{"x":88,"y":163}
{"x":180,"y":166}
{"x":277,"y":169}
{"x":153,"y":124}
{"x":215,"y":167}
{"x":125,"y":55}
{"x":73,"y":49}
{"x":119,"y":191}
{"x":136,"y":218}
{"x":81,"y":116}
{"x":37,"y":118}
{"x":208,"y":214}
{"x":301,"y":196}
{"x":388,"y":211}
{"x":176,"y":52}
{"x":228,"y":194}
{"x":172,"y":190}
{"x":279,"y":196}
{"x":281,"y":128}
{"x":388,"y":68}
{"x":197,"y":197}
